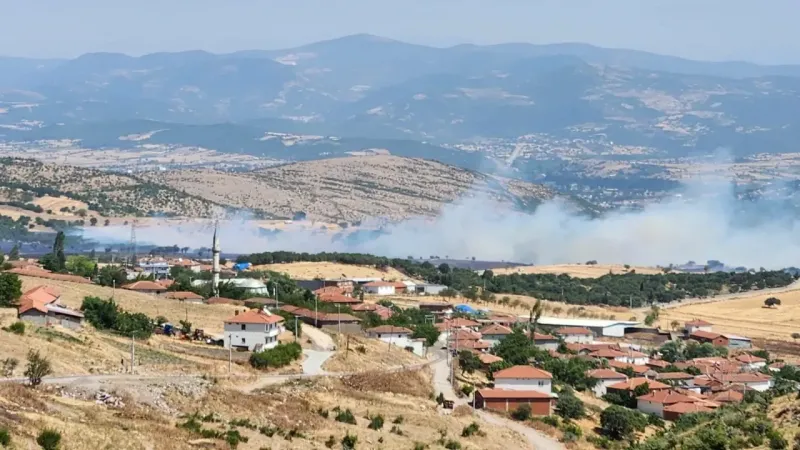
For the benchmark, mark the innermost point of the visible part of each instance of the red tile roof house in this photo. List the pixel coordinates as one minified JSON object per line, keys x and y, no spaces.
{"x":516,"y":386}
{"x":148,"y":287}
{"x":524,"y":378}
{"x":575,"y":335}
{"x":604,"y":377}
{"x":184,"y":296}
{"x":619,"y":366}
{"x":697,"y":325}
{"x":254,"y":330}
{"x":680,"y":379}
{"x":488,"y":359}
{"x":675,"y":411}
{"x":654,"y":402}
{"x":493,"y":334}
{"x":632,"y":383}
{"x":544,"y":341}
{"x":41,"y":306}
{"x":751,"y":362}
{"x":382,"y":311}
{"x":338,"y":299}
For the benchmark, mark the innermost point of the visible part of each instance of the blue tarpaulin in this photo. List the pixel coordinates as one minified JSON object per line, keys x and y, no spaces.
{"x":465,"y":309}
{"x":241,"y":266}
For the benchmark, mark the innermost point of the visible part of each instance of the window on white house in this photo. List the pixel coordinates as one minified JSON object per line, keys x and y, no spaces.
{"x":244,"y":327}
{"x":541,"y":383}
{"x":243,"y":341}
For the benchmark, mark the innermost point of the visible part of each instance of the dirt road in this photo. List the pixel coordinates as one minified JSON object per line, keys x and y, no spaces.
{"x":441,"y":383}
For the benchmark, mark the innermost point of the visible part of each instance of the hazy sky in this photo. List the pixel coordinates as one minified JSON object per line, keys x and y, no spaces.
{"x":763,"y":32}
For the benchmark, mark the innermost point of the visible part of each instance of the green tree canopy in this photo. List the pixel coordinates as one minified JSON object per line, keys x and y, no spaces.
{"x":10,"y":289}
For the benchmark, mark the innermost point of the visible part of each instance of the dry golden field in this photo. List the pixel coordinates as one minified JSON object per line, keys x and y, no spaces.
{"x":368,"y":354}
{"x":744,"y":315}
{"x":325,"y":270}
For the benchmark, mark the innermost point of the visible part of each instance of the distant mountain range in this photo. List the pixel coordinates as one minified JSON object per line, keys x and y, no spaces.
{"x":368,"y":87}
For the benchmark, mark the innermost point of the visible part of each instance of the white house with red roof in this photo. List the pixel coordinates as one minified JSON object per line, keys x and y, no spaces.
{"x":380,"y":288}
{"x":399,"y":336}
{"x":524,"y":378}
{"x":578,"y":335}
{"x":605,"y":378}
{"x":255,"y":330}
{"x":697,"y":325}
{"x":751,"y":362}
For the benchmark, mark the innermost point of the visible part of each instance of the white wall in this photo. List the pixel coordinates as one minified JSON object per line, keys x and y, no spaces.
{"x":599,"y":389}
{"x":379,"y":290}
{"x":524,"y":384}
{"x":648,"y":407}
{"x":400,"y":340}
{"x":615,"y":330}
{"x":252,"y":334}
{"x":638,"y":361}
{"x":760,"y":386}
{"x":578,"y":339}
{"x":692,"y":329}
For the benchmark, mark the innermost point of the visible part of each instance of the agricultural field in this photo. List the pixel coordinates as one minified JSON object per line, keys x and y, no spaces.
{"x":326,"y":270}
{"x":744,"y":314}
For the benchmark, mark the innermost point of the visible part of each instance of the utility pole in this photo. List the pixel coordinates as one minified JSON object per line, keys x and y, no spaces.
{"x":133,"y":352}
{"x":339,"y":316}
{"x":230,"y":352}
{"x":113,"y":287}
{"x":316,"y":312}
{"x":295,"y":329}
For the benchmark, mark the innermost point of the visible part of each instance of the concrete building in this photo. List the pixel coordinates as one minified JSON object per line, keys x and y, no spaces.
{"x":605,"y":378}
{"x":254,"y":330}
{"x":611,"y":328}
{"x":493,"y":334}
{"x":524,"y":378}
{"x":632,"y":383}
{"x":379,"y":288}
{"x":751,"y":362}
{"x":730,"y":341}
{"x":41,"y":306}
{"x":575,"y":335}
{"x":398,"y":336}
{"x":696,"y":325}
{"x":429,"y":289}
{"x":159,"y":270}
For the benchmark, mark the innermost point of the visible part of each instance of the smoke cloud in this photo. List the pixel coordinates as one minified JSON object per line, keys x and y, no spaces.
{"x":704,"y":222}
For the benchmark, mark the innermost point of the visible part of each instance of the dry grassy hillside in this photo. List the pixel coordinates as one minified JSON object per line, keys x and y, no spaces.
{"x":109,"y":193}
{"x":578,"y":270}
{"x":352,"y":188}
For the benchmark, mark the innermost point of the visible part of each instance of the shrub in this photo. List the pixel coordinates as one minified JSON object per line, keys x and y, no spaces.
{"x":777,"y":441}
{"x":349,"y":442}
{"x":573,"y":429}
{"x":5,"y":437}
{"x":361,"y":349}
{"x":375,"y":422}
{"x":471,"y":429}
{"x":38,"y":368}
{"x":16,"y":328}
{"x":655,"y":421}
{"x":398,"y":420}
{"x":267,"y":431}
{"x":330,"y":442}
{"x":618,"y":422}
{"x":233,"y":438}
{"x":550,"y":420}
{"x":467,"y":389}
{"x":452,"y":445}
{"x":440,"y":398}
{"x":420,"y":446}
{"x":279,"y":356}
{"x":49,"y":439}
{"x":8,"y":366}
{"x":346,"y":416}
{"x":396,"y":430}
{"x":522,"y":413}
{"x":323,"y":412}
{"x":569,"y":406}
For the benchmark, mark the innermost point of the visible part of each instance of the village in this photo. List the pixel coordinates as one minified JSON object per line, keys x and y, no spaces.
{"x":512,"y":366}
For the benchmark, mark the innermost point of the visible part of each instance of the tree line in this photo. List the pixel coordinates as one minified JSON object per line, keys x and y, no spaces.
{"x":624,"y":289}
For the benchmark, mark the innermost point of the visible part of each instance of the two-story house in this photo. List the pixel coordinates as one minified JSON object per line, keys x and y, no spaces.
{"x":254,"y":330}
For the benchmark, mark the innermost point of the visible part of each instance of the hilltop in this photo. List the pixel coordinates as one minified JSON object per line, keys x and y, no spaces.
{"x":353,"y":188}
{"x":108,"y":193}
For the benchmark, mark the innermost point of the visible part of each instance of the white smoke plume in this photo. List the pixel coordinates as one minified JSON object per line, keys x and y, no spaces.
{"x":674,"y":231}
